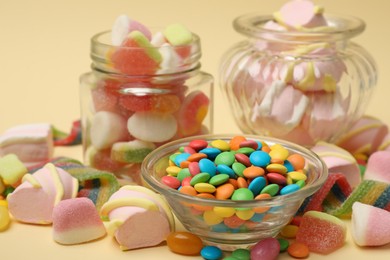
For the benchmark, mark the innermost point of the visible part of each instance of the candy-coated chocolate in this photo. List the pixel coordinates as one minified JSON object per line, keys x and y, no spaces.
{"x":243,"y":158}
{"x":207,"y":165}
{"x":219,"y":179}
{"x":297,"y":161}
{"x":224,"y":212}
{"x":242,"y":183}
{"x":220,"y":145}
{"x":204,"y":187}
{"x":245,"y":214}
{"x":211,"y":253}
{"x":233,"y":221}
{"x":252,"y":172}
{"x":235,"y":142}
{"x":272,"y":189}
{"x":189,"y":190}
{"x":257,"y":184}
{"x":198,"y":144}
{"x":224,"y":191}
{"x":194,"y":168}
{"x":284,"y":244}
{"x":241,"y":254}
{"x":195,"y":157}
{"x":260,"y":158}
{"x":224,"y":169}
{"x":276,"y":178}
{"x":211,"y":152}
{"x":184,"y":243}
{"x":238,"y":168}
{"x":171,"y":181}
{"x":242,"y":194}
{"x":267,"y":248}
{"x":276,"y":167}
{"x":297,"y":176}
{"x":298,"y":250}
{"x":226,"y":158}
{"x":289,"y":189}
{"x":249,"y":143}
{"x":211,"y":218}
{"x":200,"y":178}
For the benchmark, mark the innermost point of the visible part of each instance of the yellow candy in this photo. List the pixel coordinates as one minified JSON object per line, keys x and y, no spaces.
{"x":221,"y":145}
{"x":278,"y":153}
{"x":204,"y":188}
{"x":289,"y":231}
{"x":211,"y":218}
{"x":277,"y":168}
{"x":245,"y":214}
{"x":224,"y":212}
{"x":173,"y":170}
{"x":297,"y":176}
{"x":4,"y":215}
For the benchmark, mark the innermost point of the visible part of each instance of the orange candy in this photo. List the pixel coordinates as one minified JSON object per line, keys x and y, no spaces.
{"x":189,"y":190}
{"x":184,"y":243}
{"x":235,"y":142}
{"x":298,"y":250}
{"x":242,"y":183}
{"x":297,"y":161}
{"x":260,"y":197}
{"x":224,"y":191}
{"x":252,"y":172}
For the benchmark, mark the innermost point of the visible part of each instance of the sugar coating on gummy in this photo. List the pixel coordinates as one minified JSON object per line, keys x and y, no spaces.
{"x":136,"y":56}
{"x":76,"y":221}
{"x":106,"y":129}
{"x":177,"y":34}
{"x":321,"y":232}
{"x":33,"y":200}
{"x":123,"y":25}
{"x":370,"y":225}
{"x":192,"y":112}
{"x":152,"y":126}
{"x":11,"y":169}
{"x":131,"y":152}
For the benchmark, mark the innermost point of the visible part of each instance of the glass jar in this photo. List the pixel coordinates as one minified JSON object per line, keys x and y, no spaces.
{"x":131,"y":103}
{"x":302,"y":86}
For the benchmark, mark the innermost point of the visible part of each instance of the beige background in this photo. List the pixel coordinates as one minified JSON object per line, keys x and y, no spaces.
{"x":44,"y":48}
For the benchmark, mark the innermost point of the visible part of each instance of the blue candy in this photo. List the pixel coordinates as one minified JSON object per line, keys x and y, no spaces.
{"x":289,"y":189}
{"x":211,"y":253}
{"x":256,"y":185}
{"x":180,"y":158}
{"x":206,"y":165}
{"x":260,"y":158}
{"x":211,"y":152}
{"x":222,"y":168}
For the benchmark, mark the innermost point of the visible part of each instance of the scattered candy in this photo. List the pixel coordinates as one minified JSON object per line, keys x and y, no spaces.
{"x":298,"y":250}
{"x":31,"y":143}
{"x":33,"y":201}
{"x":284,"y":244}
{"x":76,"y":221}
{"x":5,"y":219}
{"x":137,"y":217}
{"x":321,"y":232}
{"x":241,"y":254}
{"x":370,"y":225}
{"x":211,"y":253}
{"x":267,"y":248}
{"x":184,"y":243}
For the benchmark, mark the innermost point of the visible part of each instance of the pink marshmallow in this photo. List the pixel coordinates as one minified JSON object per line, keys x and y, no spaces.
{"x":365,"y":136}
{"x":370,"y":225}
{"x":123,"y":25}
{"x":378,"y":167}
{"x":31,"y":143}
{"x":76,"y":221}
{"x":300,"y":13}
{"x":339,"y":160}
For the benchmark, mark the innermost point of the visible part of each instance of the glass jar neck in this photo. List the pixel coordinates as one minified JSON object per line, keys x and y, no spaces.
{"x":132,"y":61}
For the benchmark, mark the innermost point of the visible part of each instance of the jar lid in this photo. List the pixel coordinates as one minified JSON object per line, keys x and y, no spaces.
{"x":340,"y":27}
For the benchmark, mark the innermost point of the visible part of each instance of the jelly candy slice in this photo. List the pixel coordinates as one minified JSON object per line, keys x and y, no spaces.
{"x":193,"y":112}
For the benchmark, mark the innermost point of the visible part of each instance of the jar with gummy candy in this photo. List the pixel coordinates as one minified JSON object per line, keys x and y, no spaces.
{"x":298,"y":75}
{"x":145,"y":89}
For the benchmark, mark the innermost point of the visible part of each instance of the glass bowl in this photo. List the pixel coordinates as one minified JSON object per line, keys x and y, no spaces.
{"x":191,"y":211}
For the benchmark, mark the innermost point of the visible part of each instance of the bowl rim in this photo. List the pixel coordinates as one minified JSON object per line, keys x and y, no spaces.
{"x":173,"y":146}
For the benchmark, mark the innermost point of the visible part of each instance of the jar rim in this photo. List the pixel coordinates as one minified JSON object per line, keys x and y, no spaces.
{"x":340,"y":27}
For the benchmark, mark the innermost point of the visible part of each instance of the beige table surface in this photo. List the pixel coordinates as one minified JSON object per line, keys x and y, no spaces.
{"x":44,"y":48}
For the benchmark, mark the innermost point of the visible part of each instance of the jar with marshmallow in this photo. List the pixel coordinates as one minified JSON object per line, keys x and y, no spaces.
{"x":298,"y":75}
{"x":145,"y":89}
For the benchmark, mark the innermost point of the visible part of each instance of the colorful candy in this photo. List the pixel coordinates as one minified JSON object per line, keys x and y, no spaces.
{"x":4,"y":215}
{"x":267,"y":248}
{"x":184,"y":243}
{"x":321,"y":232}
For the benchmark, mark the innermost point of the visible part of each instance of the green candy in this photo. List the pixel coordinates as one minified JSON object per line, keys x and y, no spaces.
{"x":301,"y":183}
{"x":241,"y":254}
{"x":271,"y":189}
{"x":242,"y":194}
{"x":226,"y":158}
{"x":219,"y":179}
{"x":239,"y":168}
{"x":245,"y":150}
{"x":199,"y":178}
{"x":284,"y":244}
{"x":183,"y":173}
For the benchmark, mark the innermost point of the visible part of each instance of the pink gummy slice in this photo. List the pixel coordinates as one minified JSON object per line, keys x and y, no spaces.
{"x":298,"y":13}
{"x":320,"y":235}
{"x":133,"y":60}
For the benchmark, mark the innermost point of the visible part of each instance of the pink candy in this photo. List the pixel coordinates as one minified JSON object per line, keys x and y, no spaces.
{"x":378,"y":167}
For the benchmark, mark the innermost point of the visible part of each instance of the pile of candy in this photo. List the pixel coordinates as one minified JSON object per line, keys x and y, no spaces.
{"x":148,"y":99}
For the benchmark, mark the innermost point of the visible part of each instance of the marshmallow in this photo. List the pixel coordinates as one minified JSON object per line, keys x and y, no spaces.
{"x":152,"y":126}
{"x":365,"y":136}
{"x":378,"y":166}
{"x":106,"y":129}
{"x":76,"y":221}
{"x":177,"y":34}
{"x":31,"y":143}
{"x":123,"y":25}
{"x":34,"y":199}
{"x":370,"y":225}
{"x":138,"y":217}
{"x":339,"y":160}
